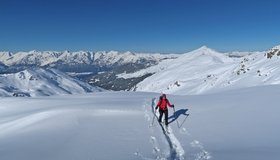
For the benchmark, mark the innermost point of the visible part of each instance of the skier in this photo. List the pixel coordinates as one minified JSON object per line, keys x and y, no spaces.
{"x":162,"y":105}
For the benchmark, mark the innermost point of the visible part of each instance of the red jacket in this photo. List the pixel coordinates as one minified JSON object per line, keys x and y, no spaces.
{"x":162,"y":103}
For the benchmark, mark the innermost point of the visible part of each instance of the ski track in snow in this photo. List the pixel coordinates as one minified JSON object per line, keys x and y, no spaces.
{"x":176,"y":151}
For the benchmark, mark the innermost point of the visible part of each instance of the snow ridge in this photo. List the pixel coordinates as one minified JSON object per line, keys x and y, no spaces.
{"x":205,"y":71}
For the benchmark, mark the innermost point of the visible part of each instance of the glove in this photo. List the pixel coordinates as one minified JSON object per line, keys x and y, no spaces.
{"x":156,"y":107}
{"x":172,"y":105}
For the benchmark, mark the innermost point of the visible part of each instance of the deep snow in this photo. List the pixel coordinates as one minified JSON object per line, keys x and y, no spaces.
{"x":239,"y":124}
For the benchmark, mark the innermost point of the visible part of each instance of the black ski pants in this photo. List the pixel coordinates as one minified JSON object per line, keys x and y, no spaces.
{"x":165,"y":115}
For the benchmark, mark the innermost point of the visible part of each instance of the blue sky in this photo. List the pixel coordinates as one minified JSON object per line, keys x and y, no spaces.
{"x":139,"y":25}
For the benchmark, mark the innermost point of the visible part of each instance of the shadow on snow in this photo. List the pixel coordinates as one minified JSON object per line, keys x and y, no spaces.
{"x":177,"y":114}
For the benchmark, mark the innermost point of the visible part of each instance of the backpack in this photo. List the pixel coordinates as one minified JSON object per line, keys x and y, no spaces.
{"x":160,"y":99}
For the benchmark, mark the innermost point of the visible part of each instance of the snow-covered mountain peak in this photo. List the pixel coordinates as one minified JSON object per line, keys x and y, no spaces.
{"x":23,"y":75}
{"x":33,"y":52}
{"x":66,"y":51}
{"x":204,"y":48}
{"x":35,"y":74}
{"x":205,"y":55}
{"x":275,"y":51}
{"x":276,"y":47}
{"x":129,"y":53}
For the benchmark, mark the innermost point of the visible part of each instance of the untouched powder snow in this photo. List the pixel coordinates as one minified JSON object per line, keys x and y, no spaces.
{"x":239,"y":124}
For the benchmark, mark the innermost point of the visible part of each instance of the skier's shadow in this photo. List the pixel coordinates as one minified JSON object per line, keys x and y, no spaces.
{"x":177,"y":114}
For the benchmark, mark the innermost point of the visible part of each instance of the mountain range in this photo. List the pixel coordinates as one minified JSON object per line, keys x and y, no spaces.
{"x":201,"y":71}
{"x":96,"y":68}
{"x":100,"y":59}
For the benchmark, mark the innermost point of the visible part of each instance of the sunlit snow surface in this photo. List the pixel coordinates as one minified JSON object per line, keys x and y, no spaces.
{"x":42,"y":82}
{"x":207,"y":71}
{"x":239,"y":124}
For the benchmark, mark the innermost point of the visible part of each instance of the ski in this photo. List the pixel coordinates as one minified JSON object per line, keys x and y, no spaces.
{"x":166,"y":129}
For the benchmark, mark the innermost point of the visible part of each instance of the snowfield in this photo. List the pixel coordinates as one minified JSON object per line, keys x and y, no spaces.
{"x":238,"y":124}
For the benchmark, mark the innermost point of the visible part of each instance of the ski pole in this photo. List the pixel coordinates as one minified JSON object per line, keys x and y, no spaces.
{"x":184,"y":120}
{"x":153,"y":111}
{"x":153,"y":120}
{"x":175,"y":116}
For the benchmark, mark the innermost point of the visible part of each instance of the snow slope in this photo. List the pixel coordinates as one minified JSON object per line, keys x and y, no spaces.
{"x":205,"y":71}
{"x":239,"y":124}
{"x":41,"y":82}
